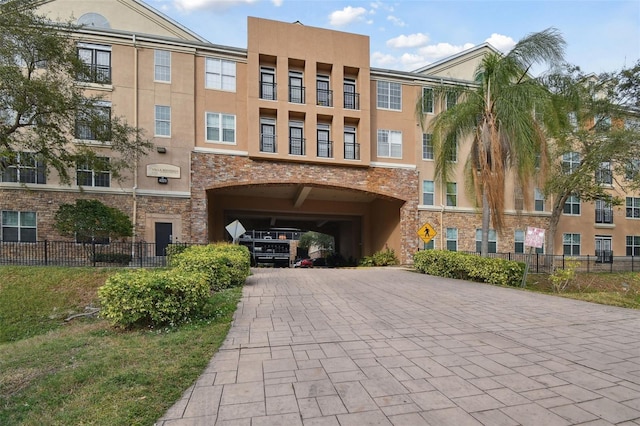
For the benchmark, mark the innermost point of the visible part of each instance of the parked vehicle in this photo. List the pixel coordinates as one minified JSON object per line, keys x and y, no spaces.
{"x":303,"y":263}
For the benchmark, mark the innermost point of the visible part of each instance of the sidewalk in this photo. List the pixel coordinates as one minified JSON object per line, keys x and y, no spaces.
{"x":390,"y":347}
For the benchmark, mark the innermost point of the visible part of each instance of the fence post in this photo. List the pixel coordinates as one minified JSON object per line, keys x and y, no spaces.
{"x":140,"y":252}
{"x":632,"y":262}
{"x":537,"y":263}
{"x":587,"y":263}
{"x":46,"y":253}
{"x":563,"y":261}
{"x":93,"y":252}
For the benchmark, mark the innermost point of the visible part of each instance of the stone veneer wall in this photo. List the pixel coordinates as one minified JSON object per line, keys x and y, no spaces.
{"x":210,"y":171}
{"x":46,"y":202}
{"x":468,"y":222}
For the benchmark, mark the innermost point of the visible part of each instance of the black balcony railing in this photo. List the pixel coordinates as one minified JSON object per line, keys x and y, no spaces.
{"x":352,"y":100}
{"x":92,"y":73}
{"x":267,"y":143}
{"x":325,"y":97}
{"x":268,"y":91}
{"x":604,"y":216}
{"x":325,"y":149}
{"x":352,"y":151}
{"x":296,"y":94}
{"x":296,"y":146}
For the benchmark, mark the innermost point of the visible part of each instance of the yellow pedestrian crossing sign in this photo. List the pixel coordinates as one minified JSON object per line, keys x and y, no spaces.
{"x":427,"y":233}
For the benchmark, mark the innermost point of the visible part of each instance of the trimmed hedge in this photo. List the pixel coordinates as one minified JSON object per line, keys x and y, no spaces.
{"x":451,"y":264}
{"x":225,"y":265}
{"x":153,"y":297}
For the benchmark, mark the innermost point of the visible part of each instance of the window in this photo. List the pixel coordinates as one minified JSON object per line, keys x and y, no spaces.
{"x":604,"y":211}
{"x":162,"y":65}
{"x":632,"y":169}
{"x":95,"y":173}
{"x":325,"y":149}
{"x":221,"y":127}
{"x":296,"y":87}
{"x":452,"y":194}
{"x":25,"y":167}
{"x":633,"y":207}
{"x":220,"y":74}
{"x":427,"y":100}
{"x":323,"y":92}
{"x":451,"y":99}
{"x":428,"y":193}
{"x":603,"y":244}
{"x":571,"y":244}
{"x":570,"y":161}
{"x":389,"y":143}
{"x":427,"y":146}
{"x":268,"y":83}
{"x":632,"y":123}
{"x":163,"y":120}
{"x":389,"y":95}
{"x":538,"y":200}
{"x":19,"y":226}
{"x":518,"y":199}
{"x":518,"y":241}
{"x":94,"y":124}
{"x":351,"y":148}
{"x":633,"y":245}
{"x":603,"y":174}
{"x":97,"y":63}
{"x":267,"y":135}
{"x":452,"y":155}
{"x":602,"y":123}
{"x":452,"y":239}
{"x":572,"y":205}
{"x":431,"y":245}
{"x":351,"y":98}
{"x":296,"y":139}
{"x":493,"y":241}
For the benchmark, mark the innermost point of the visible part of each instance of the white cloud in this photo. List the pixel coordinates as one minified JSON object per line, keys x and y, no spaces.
{"x":411,"y":61}
{"x":501,"y":42}
{"x":411,"y":40}
{"x":442,"y":50}
{"x":189,"y":5}
{"x":383,"y":60}
{"x":396,"y":21}
{"x":346,"y":16}
{"x":277,"y":3}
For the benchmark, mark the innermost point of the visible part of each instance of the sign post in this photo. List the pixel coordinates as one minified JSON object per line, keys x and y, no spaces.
{"x":533,"y":238}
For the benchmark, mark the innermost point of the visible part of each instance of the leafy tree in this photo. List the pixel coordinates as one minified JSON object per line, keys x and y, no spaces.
{"x":321,"y":241}
{"x":501,"y":114}
{"x":595,"y":131}
{"x":91,"y":220}
{"x":41,"y":101}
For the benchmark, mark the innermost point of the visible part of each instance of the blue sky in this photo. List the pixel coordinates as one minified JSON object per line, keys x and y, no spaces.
{"x":601,"y":35}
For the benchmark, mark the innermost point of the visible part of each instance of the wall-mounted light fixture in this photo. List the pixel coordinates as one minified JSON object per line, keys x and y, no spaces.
{"x":161,"y":149}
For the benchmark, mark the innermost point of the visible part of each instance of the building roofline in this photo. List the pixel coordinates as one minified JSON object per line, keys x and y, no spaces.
{"x":455,"y":56}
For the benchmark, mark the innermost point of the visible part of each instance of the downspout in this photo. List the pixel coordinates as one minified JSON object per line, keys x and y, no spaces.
{"x":135,"y":167}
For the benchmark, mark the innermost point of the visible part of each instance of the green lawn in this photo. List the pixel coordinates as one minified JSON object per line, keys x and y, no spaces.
{"x":83,"y":371}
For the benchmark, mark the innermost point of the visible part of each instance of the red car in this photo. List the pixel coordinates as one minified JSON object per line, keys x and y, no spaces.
{"x":304,"y":263}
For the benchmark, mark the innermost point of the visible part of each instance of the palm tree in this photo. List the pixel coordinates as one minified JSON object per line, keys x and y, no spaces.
{"x":505,"y":113}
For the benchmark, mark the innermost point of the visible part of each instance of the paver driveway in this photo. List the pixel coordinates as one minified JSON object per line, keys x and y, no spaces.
{"x":392,"y":347}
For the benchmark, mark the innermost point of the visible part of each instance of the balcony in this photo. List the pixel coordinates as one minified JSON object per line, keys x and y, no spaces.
{"x":325,"y":97}
{"x":268,"y":91}
{"x":352,"y":151}
{"x":351,"y":100}
{"x":296,"y":94}
{"x":325,"y":149}
{"x":296,"y":146}
{"x":267,"y":143}
{"x":100,"y":74}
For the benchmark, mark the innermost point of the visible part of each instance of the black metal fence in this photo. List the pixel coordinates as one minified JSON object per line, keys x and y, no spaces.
{"x":69,"y":253}
{"x":548,"y":263}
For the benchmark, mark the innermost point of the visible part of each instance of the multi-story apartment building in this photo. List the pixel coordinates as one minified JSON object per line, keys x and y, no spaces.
{"x":297,"y":130}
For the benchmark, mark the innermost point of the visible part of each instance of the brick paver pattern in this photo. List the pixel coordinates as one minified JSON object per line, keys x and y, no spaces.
{"x":386,"y":346}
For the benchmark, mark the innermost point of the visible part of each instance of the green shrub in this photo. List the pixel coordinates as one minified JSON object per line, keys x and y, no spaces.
{"x":153,"y":297}
{"x":225,"y":265}
{"x":451,"y":264}
{"x":173,"y":249}
{"x":384,"y":257}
